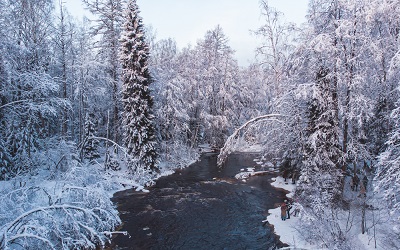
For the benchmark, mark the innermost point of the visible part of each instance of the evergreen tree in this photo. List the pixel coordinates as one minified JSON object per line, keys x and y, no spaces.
{"x":137,"y":116}
{"x":5,"y":160}
{"x":91,"y":144}
{"x":321,"y":174}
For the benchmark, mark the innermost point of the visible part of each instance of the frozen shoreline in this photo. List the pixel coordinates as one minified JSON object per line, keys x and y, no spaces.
{"x":286,"y":230}
{"x":289,"y":233}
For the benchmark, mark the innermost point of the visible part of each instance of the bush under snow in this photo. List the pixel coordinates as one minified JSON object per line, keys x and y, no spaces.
{"x":74,"y":212}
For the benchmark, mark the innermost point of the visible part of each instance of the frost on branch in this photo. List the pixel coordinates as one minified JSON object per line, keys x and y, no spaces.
{"x":230,"y":144}
{"x":58,"y":227}
{"x":73,"y":213}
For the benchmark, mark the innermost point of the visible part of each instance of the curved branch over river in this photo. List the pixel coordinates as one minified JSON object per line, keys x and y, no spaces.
{"x":229,"y":146}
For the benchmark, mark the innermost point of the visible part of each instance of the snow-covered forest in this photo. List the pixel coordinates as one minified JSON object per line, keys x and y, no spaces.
{"x":89,"y":107}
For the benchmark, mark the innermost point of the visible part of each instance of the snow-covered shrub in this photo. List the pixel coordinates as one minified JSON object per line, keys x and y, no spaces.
{"x":59,"y":227}
{"x":57,"y":155}
{"x":321,"y":226}
{"x":74,"y":212}
{"x":177,"y":154}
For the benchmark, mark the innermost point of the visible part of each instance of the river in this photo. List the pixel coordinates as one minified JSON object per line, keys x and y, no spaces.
{"x":200,"y":207}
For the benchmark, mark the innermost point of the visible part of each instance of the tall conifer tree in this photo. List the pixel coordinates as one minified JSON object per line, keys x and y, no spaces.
{"x":137,"y":116}
{"x":91,"y":146}
{"x":321,"y":174}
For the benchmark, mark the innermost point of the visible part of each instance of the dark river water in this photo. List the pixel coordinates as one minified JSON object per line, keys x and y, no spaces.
{"x":200,"y":207}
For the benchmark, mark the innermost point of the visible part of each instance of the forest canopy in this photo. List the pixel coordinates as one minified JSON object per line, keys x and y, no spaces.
{"x":107,"y":94}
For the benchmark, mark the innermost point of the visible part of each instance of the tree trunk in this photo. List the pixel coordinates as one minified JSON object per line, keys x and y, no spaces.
{"x":346,"y":130}
{"x":363,"y":222}
{"x":64,"y":73}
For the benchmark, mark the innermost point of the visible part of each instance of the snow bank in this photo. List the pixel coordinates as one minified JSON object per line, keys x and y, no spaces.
{"x":279,"y":182}
{"x":246,"y":148}
{"x":386,"y":235}
{"x":243,"y":175}
{"x":286,"y":229}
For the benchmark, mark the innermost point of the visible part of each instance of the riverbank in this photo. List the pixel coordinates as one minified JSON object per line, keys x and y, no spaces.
{"x":380,"y":234}
{"x":286,"y":230}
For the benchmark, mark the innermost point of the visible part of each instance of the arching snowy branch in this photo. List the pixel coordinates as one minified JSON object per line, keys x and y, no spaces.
{"x":83,"y":226}
{"x":230,"y":144}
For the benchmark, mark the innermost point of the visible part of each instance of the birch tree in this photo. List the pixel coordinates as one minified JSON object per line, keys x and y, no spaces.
{"x":108,"y":23}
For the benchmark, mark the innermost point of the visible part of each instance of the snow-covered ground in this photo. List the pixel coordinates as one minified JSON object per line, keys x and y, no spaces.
{"x":289,"y":233}
{"x":248,"y":172}
{"x":69,"y":207}
{"x":286,"y":229}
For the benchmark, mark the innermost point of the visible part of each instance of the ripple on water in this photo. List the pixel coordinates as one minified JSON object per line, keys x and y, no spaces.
{"x":201,"y":207}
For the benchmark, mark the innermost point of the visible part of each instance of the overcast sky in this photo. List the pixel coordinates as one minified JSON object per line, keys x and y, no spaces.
{"x":188,"y":20}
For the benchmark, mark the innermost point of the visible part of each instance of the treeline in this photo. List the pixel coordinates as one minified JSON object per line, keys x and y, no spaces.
{"x":334,"y":82}
{"x":61,"y":88}
{"x":340,"y":103}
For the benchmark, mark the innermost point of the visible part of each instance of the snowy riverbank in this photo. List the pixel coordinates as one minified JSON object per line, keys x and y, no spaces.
{"x":290,"y":233}
{"x":69,"y":206}
{"x":286,"y":229}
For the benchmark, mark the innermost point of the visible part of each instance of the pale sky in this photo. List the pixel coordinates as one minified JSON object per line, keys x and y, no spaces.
{"x":186,"y":21}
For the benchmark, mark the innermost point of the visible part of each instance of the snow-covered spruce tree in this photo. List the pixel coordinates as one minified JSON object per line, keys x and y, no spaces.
{"x":321,"y":177}
{"x":5,"y":159}
{"x":319,"y":188}
{"x":90,"y":148}
{"x":137,"y":115}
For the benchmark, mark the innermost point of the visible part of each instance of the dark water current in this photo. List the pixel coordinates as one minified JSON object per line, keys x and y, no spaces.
{"x":200,"y":207}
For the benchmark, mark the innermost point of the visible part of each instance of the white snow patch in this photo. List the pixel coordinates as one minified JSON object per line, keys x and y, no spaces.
{"x":242,"y":175}
{"x":246,"y":148}
{"x":291,"y":236}
{"x":367,"y":242}
{"x":269,"y":165}
{"x":205,"y":148}
{"x":286,"y":229}
{"x":279,"y":182}
{"x":249,"y":173}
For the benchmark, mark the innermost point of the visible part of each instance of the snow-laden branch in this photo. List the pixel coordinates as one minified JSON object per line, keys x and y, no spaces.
{"x":229,"y":145}
{"x":15,"y":102}
{"x":91,"y":223}
{"x":28,"y":235}
{"x":44,"y":209}
{"x":60,"y":101}
{"x":123,"y":149}
{"x":87,"y":139}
